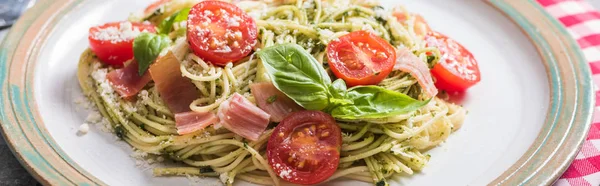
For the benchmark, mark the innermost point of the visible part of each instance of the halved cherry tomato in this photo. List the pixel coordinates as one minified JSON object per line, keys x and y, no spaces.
{"x":457,"y":70}
{"x":305,"y":147}
{"x":220,"y":32}
{"x":421,"y":27}
{"x":113,"y":42}
{"x":154,"y":6}
{"x":361,"y":58}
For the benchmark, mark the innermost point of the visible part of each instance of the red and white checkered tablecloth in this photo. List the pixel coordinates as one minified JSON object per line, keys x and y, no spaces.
{"x":583,"y":23}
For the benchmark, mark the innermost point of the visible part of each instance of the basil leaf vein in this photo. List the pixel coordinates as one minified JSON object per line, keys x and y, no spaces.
{"x":372,"y":102}
{"x":147,"y":47}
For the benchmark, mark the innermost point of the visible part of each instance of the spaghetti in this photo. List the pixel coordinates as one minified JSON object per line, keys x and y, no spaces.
{"x":373,"y":150}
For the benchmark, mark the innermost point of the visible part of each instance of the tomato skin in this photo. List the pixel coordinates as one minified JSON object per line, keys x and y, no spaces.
{"x":361,"y":58}
{"x":458,"y":70}
{"x":220,"y":32}
{"x":305,"y":147}
{"x":115,"y":53}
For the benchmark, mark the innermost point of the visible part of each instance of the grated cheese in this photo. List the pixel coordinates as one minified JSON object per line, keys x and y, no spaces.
{"x":370,"y":28}
{"x":105,"y":89}
{"x":144,"y":95}
{"x":285,"y":173}
{"x":381,"y":13}
{"x":233,"y":21}
{"x":124,"y":32}
{"x":129,"y":108}
{"x":223,"y":177}
{"x":84,"y":129}
{"x":94,"y":117}
{"x":138,"y":154}
{"x":326,"y":35}
{"x":308,"y":4}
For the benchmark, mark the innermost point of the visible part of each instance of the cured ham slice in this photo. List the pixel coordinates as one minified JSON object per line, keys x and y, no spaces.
{"x":126,"y":81}
{"x":273,"y":101}
{"x":242,"y":117}
{"x":406,"y":61}
{"x":175,"y":90}
{"x":188,"y":122}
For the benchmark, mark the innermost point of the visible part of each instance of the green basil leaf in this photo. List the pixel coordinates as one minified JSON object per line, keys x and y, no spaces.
{"x":339,"y":88}
{"x":372,"y":102}
{"x":147,"y":47}
{"x":297,"y":74}
{"x":339,"y":91}
{"x":166,"y":25}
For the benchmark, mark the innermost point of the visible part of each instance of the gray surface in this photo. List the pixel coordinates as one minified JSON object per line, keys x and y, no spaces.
{"x":10,"y":10}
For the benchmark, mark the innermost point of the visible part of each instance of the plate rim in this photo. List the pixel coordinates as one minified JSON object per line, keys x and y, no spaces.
{"x":567,"y":124}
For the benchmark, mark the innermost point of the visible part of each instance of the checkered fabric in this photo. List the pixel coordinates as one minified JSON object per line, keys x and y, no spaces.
{"x":583,"y":23}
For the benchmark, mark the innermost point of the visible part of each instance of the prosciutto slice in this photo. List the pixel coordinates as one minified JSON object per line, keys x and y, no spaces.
{"x":242,"y":117}
{"x":273,"y":101}
{"x":126,"y":80}
{"x":175,"y":90}
{"x":406,"y":61}
{"x":188,"y":122}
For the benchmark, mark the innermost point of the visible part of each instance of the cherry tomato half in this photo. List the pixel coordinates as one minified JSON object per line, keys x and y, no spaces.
{"x":113,"y":42}
{"x":305,"y":147}
{"x":457,"y":70}
{"x":361,"y":58}
{"x":220,"y":32}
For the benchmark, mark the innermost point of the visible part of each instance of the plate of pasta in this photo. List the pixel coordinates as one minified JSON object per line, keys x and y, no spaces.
{"x":304,"y":92}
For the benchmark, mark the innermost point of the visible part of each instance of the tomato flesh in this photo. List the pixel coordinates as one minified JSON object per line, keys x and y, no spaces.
{"x":457,"y":70}
{"x":361,"y":58}
{"x":113,"y":42}
{"x":220,"y":32}
{"x":305,"y":147}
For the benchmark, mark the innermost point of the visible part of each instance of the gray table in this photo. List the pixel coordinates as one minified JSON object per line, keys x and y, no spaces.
{"x":11,"y":171}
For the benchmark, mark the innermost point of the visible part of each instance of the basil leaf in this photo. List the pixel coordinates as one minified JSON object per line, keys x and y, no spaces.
{"x":301,"y":77}
{"x":339,"y":91}
{"x":147,"y":47}
{"x":166,"y":25}
{"x":372,"y":102}
{"x":338,"y":88}
{"x":297,"y":74}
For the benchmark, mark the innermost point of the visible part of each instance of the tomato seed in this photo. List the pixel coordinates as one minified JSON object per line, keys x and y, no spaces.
{"x":301,"y":164}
